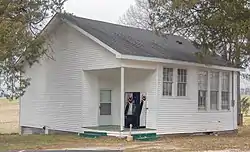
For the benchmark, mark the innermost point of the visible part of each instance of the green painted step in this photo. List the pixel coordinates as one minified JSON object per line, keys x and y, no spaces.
{"x":144,"y":135}
{"x":148,"y":138}
{"x":90,"y":134}
{"x":96,"y":133}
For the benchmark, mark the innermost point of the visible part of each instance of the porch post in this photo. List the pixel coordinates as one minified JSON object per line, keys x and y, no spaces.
{"x":122,"y":100}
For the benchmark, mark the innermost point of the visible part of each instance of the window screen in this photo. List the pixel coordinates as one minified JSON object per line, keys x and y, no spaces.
{"x":214,"y":90}
{"x":225,"y":104}
{"x":202,"y":89}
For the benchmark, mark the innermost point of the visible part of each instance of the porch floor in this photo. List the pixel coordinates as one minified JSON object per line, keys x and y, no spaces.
{"x":116,"y":128}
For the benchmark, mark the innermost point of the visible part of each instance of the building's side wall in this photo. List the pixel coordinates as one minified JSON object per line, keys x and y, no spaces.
{"x":181,"y":115}
{"x":56,"y":96}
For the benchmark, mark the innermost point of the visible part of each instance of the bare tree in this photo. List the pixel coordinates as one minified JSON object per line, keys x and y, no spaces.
{"x":137,"y":15}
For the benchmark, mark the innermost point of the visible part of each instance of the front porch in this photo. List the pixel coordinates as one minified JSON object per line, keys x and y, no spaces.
{"x":106,"y":98}
{"x":143,"y":134}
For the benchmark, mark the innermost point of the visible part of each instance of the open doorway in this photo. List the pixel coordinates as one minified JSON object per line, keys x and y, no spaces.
{"x":135,"y":110}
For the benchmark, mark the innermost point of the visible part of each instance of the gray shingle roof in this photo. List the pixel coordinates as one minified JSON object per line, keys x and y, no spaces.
{"x":139,"y":42}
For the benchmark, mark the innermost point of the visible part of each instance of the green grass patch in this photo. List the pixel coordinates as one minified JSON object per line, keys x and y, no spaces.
{"x":35,"y":142}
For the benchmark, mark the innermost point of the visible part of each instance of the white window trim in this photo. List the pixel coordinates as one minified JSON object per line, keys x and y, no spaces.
{"x":175,"y":84}
{"x":208,"y":109}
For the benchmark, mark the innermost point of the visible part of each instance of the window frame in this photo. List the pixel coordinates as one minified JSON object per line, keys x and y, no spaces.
{"x":217,"y":90}
{"x":105,"y":102}
{"x":168,"y":82}
{"x":205,"y":89}
{"x":174,"y":82}
{"x":226,"y":91}
{"x":184,"y":77}
{"x":220,"y":88}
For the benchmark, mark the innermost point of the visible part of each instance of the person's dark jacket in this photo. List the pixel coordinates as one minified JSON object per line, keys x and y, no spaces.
{"x":135,"y":111}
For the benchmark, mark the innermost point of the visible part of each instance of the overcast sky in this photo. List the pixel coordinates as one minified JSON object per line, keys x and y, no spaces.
{"x":104,"y":10}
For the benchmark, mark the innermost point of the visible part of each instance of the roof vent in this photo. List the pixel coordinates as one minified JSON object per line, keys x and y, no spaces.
{"x":179,"y":42}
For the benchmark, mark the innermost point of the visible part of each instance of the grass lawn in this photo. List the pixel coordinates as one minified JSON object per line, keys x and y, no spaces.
{"x":9,"y":124}
{"x":189,"y":143}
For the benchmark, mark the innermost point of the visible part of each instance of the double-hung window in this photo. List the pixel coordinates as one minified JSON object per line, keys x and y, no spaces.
{"x":225,"y":104}
{"x":182,"y":82}
{"x":202,"y":89}
{"x":174,"y":82}
{"x":167,"y":81}
{"x":214,"y":90}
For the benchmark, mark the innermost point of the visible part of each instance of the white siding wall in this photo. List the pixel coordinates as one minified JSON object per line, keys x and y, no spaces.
{"x":32,"y":108}
{"x":181,"y":115}
{"x":55,"y":97}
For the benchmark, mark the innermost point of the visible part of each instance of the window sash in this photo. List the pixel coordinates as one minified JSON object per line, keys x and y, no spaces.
{"x":168,"y":81}
{"x":181,"y":82}
{"x":214,"y":81}
{"x":105,"y":108}
{"x":202,"y":99}
{"x":214,"y":90}
{"x":225,"y":81}
{"x":225,"y":103}
{"x":214,"y":100}
{"x":105,"y":96}
{"x":181,"y":89}
{"x":202,"y":90}
{"x":203,"y":80}
{"x":167,"y":88}
{"x":182,"y":75}
{"x":168,"y":74}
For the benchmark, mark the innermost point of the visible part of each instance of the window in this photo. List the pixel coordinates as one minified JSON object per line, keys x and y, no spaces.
{"x":105,"y":102}
{"x":225,"y":104}
{"x":167,"y":81}
{"x":214,"y":90}
{"x":202,"y":89}
{"x":182,"y":82}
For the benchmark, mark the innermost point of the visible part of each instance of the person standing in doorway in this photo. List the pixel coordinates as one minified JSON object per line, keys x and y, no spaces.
{"x":130,"y":111}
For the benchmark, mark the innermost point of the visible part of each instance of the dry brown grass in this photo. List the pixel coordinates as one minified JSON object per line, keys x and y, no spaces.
{"x":9,"y":124}
{"x":9,"y":116}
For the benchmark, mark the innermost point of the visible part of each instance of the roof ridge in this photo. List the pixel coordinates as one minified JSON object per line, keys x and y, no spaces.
{"x":116,"y":24}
